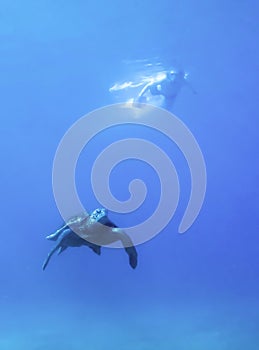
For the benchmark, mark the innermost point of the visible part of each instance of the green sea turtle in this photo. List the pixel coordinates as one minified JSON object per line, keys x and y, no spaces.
{"x":92,"y":230}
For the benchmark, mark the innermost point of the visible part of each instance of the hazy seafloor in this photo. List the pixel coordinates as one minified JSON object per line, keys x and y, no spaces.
{"x":179,"y":325}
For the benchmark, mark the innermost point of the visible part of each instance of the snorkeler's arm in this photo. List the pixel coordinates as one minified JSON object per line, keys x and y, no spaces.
{"x":143,"y":91}
{"x":189,"y":85}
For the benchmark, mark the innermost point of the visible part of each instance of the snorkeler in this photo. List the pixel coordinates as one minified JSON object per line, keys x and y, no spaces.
{"x":167,"y":88}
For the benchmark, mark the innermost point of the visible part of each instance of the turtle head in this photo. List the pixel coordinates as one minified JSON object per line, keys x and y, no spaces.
{"x":98,"y":213}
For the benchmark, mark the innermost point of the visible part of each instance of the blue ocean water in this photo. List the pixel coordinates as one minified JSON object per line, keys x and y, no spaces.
{"x":195,"y":291}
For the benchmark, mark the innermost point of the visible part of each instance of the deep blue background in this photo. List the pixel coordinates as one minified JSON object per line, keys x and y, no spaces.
{"x":58,"y":60}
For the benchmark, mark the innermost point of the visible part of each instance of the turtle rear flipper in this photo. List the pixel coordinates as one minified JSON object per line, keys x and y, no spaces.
{"x":61,"y":249}
{"x":96,"y":249}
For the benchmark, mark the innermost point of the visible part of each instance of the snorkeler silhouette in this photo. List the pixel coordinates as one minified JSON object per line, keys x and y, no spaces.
{"x":167,"y":87}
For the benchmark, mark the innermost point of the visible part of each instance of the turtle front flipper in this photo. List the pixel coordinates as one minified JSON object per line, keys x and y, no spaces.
{"x":133,"y":256}
{"x":128,"y":246}
{"x":49,"y":256}
{"x":54,"y":236}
